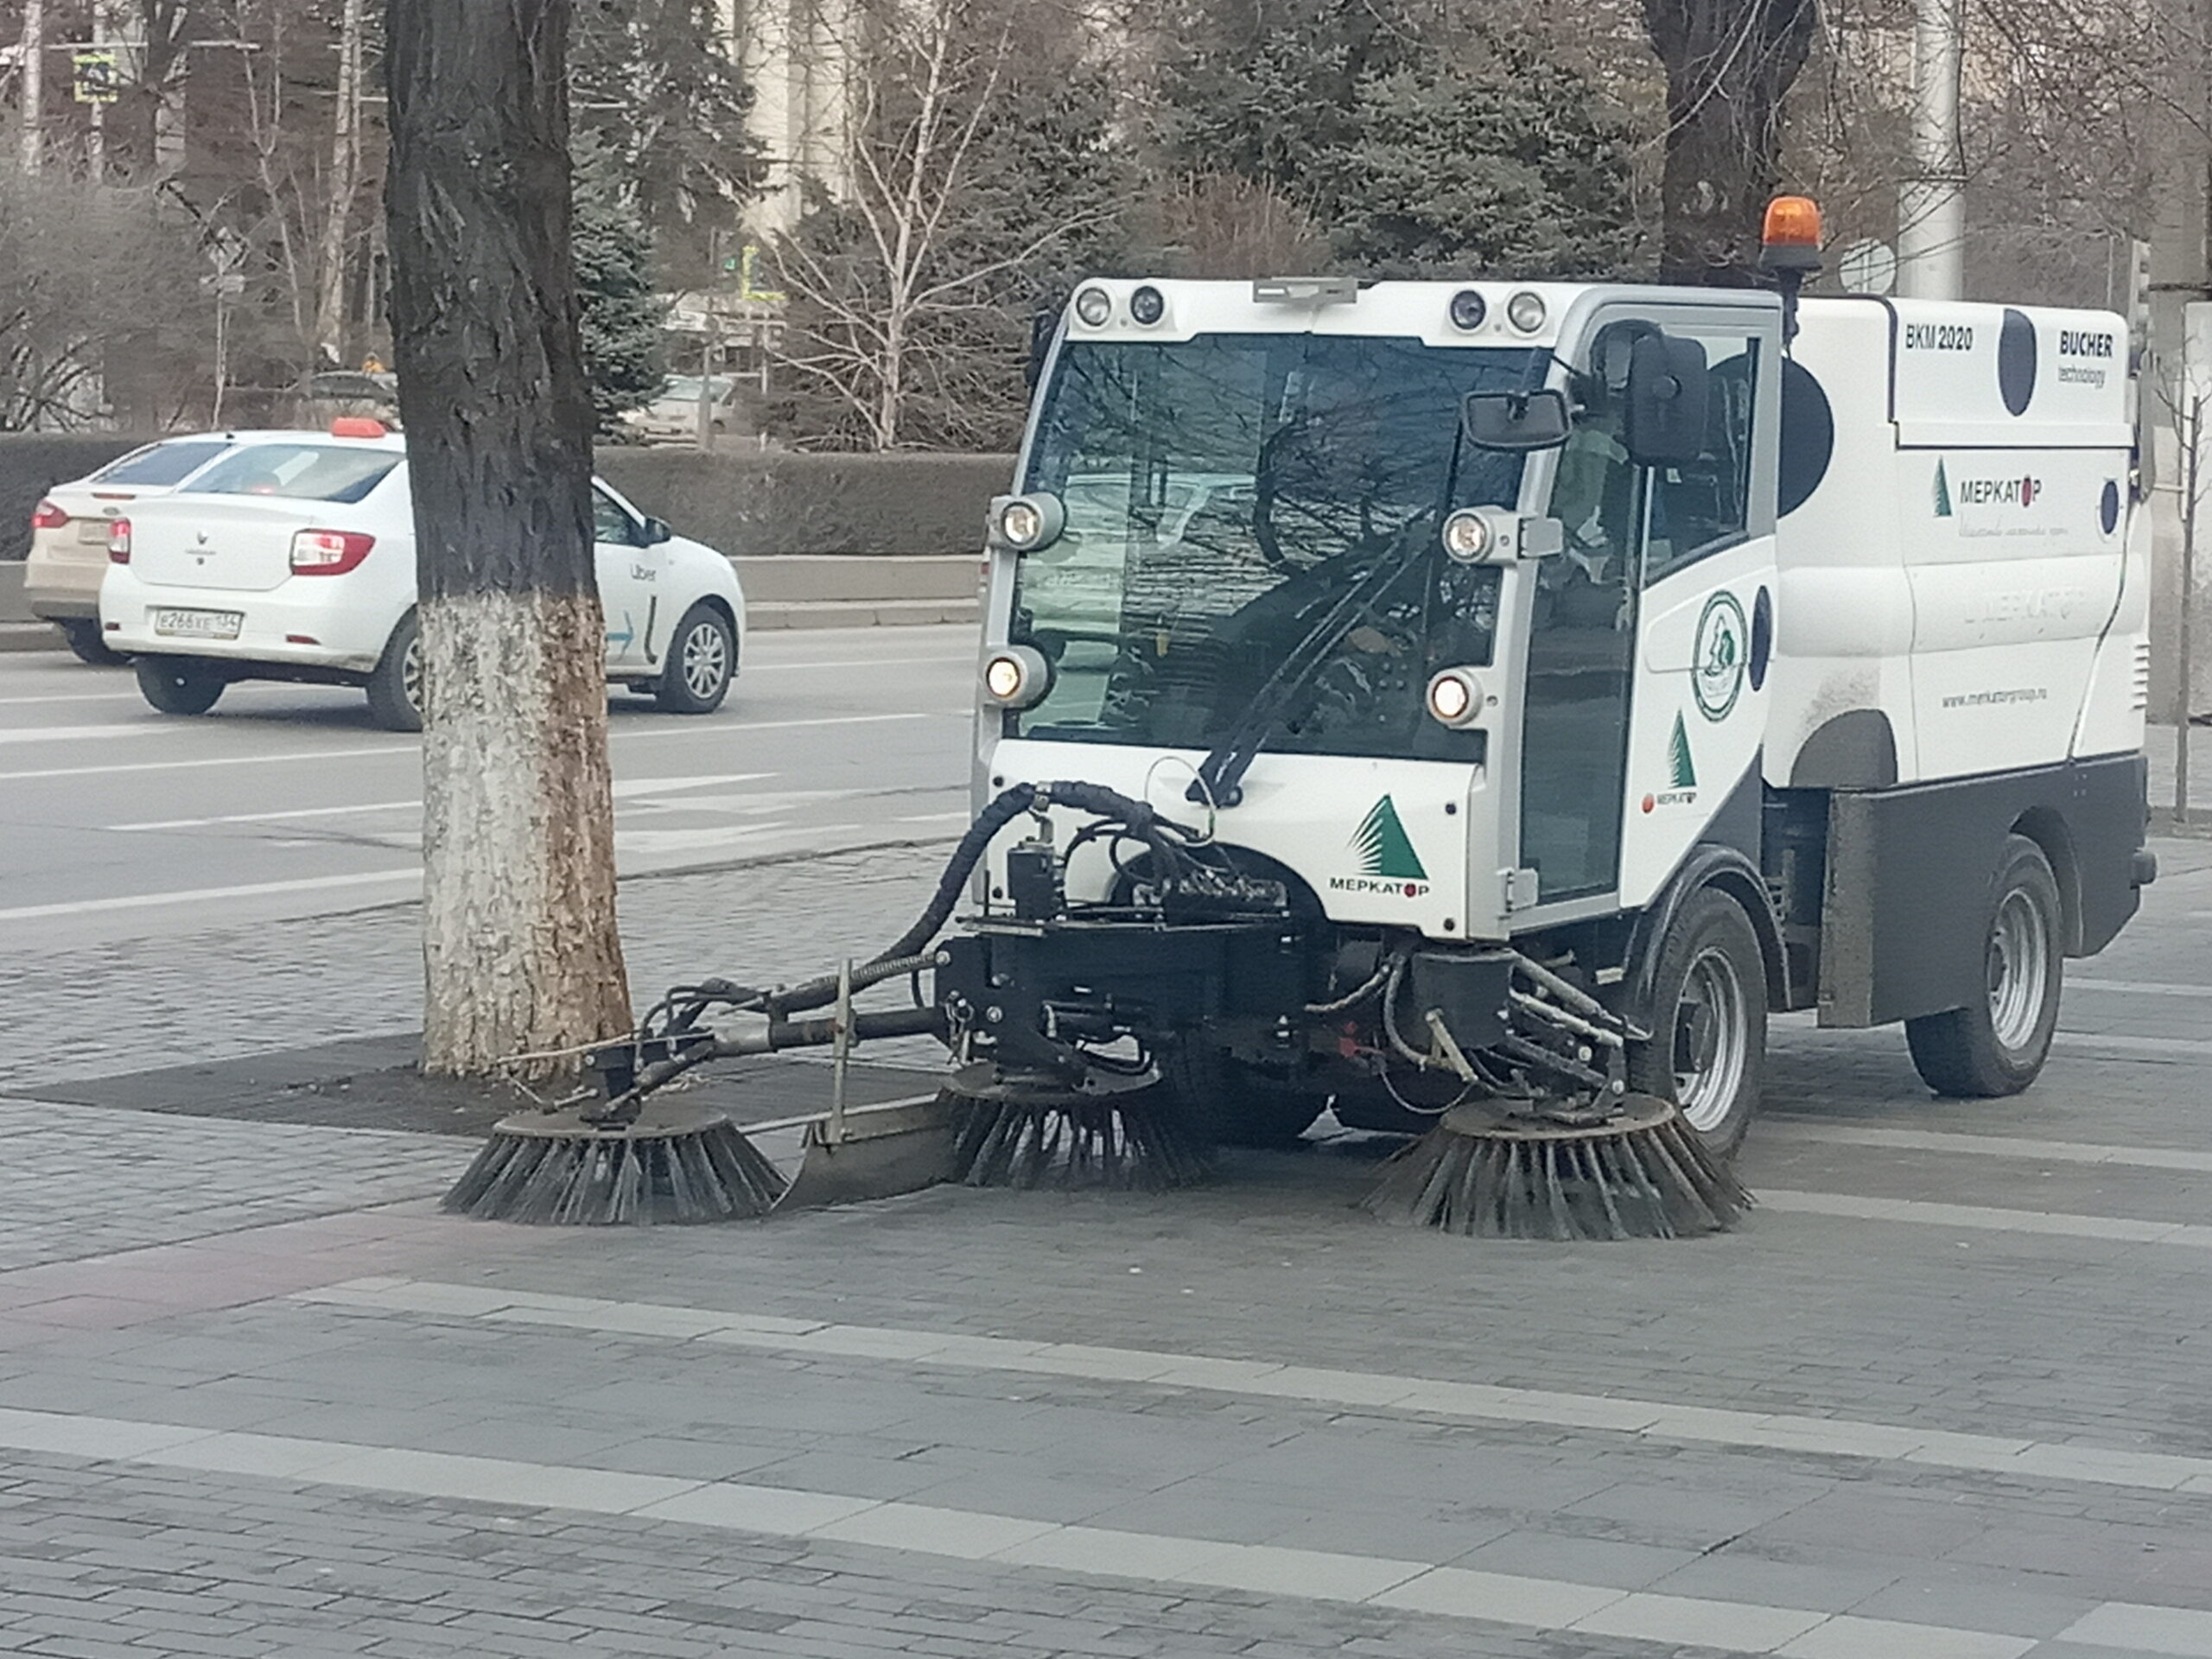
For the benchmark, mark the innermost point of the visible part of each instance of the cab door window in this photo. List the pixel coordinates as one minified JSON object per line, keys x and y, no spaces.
{"x":1702,"y":506}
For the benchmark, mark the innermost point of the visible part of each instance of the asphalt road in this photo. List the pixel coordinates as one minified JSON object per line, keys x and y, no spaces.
{"x":284,"y":802}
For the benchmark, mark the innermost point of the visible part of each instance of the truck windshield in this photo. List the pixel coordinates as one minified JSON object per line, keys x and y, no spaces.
{"x":1222,"y":494}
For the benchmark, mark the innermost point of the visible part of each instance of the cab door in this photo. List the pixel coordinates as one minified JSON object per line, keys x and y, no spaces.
{"x":629,"y":582}
{"x":1644,"y":703}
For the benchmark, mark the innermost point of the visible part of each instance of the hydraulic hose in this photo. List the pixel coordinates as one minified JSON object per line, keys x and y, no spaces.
{"x":1163,"y":835}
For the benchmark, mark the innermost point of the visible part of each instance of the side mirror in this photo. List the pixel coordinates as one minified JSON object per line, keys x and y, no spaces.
{"x":655,"y":531}
{"x":1516,"y":422}
{"x":1666,"y":386}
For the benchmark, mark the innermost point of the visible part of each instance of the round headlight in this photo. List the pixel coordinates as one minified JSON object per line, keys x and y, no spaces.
{"x":1468,"y":310}
{"x":1455,"y":697}
{"x":1525,"y":311}
{"x":1014,"y":676}
{"x":1020,"y":523}
{"x":1147,"y":305}
{"x":1093,"y":306}
{"x":1002,"y":678}
{"x":1466,"y":536}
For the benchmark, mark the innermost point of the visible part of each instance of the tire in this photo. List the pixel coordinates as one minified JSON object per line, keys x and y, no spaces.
{"x":84,"y":637}
{"x":1997,"y":1044}
{"x":702,"y":663}
{"x":395,"y":683}
{"x":1708,"y":1013}
{"x":180,"y":685}
{"x":1238,"y":1104}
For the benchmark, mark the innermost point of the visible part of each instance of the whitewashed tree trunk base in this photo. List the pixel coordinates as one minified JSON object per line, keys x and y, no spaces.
{"x":514,"y":750}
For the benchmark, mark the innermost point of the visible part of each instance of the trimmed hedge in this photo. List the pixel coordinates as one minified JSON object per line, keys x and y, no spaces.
{"x":747,"y":505}
{"x":32,"y":463}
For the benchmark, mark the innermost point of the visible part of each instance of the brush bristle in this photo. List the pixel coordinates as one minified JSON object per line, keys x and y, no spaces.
{"x":614,"y":1177}
{"x":1631,"y":1180}
{"x":1138,"y":1142}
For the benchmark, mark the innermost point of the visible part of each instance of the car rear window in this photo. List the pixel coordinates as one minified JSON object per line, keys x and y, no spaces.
{"x":302,"y":472}
{"x":161,"y":464}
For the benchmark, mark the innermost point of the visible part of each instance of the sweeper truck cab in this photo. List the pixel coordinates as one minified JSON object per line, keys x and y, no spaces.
{"x":1515,"y":693}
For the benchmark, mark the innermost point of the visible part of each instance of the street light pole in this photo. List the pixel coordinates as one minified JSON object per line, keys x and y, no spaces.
{"x":1931,"y":204}
{"x":33,"y":48}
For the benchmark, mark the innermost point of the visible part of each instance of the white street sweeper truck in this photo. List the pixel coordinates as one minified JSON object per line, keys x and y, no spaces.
{"x":1479,"y":707}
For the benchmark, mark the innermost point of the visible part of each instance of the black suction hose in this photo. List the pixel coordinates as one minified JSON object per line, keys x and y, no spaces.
{"x":1143,"y":821}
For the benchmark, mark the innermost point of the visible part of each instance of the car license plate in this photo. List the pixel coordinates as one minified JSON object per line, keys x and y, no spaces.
{"x":93,"y":530}
{"x":199,"y":625}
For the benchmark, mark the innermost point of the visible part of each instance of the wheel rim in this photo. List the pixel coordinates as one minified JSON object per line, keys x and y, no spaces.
{"x":2020,"y":969}
{"x":1711,"y":1040}
{"x":706,"y":661}
{"x":410,"y":674}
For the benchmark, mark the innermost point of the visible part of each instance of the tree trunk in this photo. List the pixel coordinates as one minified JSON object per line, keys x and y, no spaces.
{"x":345,"y":183}
{"x":1729,"y":64}
{"x":520,"y":948}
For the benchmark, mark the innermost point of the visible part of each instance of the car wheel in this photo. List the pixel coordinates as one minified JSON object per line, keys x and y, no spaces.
{"x":1997,"y":1044}
{"x":395,"y":683}
{"x":180,"y":685}
{"x":84,"y":637}
{"x":1707,"y":1053}
{"x":702,"y":663}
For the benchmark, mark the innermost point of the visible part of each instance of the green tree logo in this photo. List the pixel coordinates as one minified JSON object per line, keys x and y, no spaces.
{"x":1679,"y":763}
{"x":1383,"y":847}
{"x":1942,"y":490}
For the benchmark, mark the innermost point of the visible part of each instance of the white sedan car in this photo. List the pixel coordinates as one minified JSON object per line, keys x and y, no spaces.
{"x":293,"y":558}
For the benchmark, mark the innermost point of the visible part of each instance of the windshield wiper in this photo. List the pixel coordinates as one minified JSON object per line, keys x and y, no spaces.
{"x":1221,"y":775}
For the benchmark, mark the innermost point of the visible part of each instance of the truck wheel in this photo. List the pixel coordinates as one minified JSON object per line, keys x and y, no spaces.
{"x":395,"y":683}
{"x":702,"y":662}
{"x":84,"y":638}
{"x":1997,"y":1044}
{"x":1238,"y":1105}
{"x":1707,"y":1053}
{"x":180,"y":685}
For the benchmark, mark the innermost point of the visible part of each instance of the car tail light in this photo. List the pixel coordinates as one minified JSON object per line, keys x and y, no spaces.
{"x":328,"y":552}
{"x":47,"y":516}
{"x":119,"y":540}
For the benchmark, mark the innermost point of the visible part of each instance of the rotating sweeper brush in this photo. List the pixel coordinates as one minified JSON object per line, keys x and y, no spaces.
{"x":1092,"y":1045}
{"x":632,"y":1157}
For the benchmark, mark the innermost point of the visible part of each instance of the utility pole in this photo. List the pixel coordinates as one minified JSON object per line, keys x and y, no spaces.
{"x":1931,"y":204}
{"x":345,"y":183}
{"x":33,"y":48}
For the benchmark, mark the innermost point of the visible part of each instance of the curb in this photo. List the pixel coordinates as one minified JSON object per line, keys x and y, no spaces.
{"x":31,"y":636}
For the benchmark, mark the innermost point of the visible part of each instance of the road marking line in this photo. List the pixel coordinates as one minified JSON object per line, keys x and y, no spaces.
{"x":249,"y":890}
{"x":2189,"y":1047}
{"x":965,"y":659}
{"x":74,"y":696}
{"x":208,"y":760}
{"x":2139,"y":987}
{"x":1987,"y":1146}
{"x":1986,"y":1217}
{"x":625,"y":789}
{"x":798,"y":1513}
{"x":1362,"y":1391}
{"x":684,"y":728}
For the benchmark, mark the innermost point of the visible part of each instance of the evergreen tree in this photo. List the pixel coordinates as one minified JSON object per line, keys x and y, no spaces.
{"x":1269,"y":89}
{"x":1495,"y":162}
{"x":656,"y":84}
{"x":619,"y":313}
{"x":1417,"y":139}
